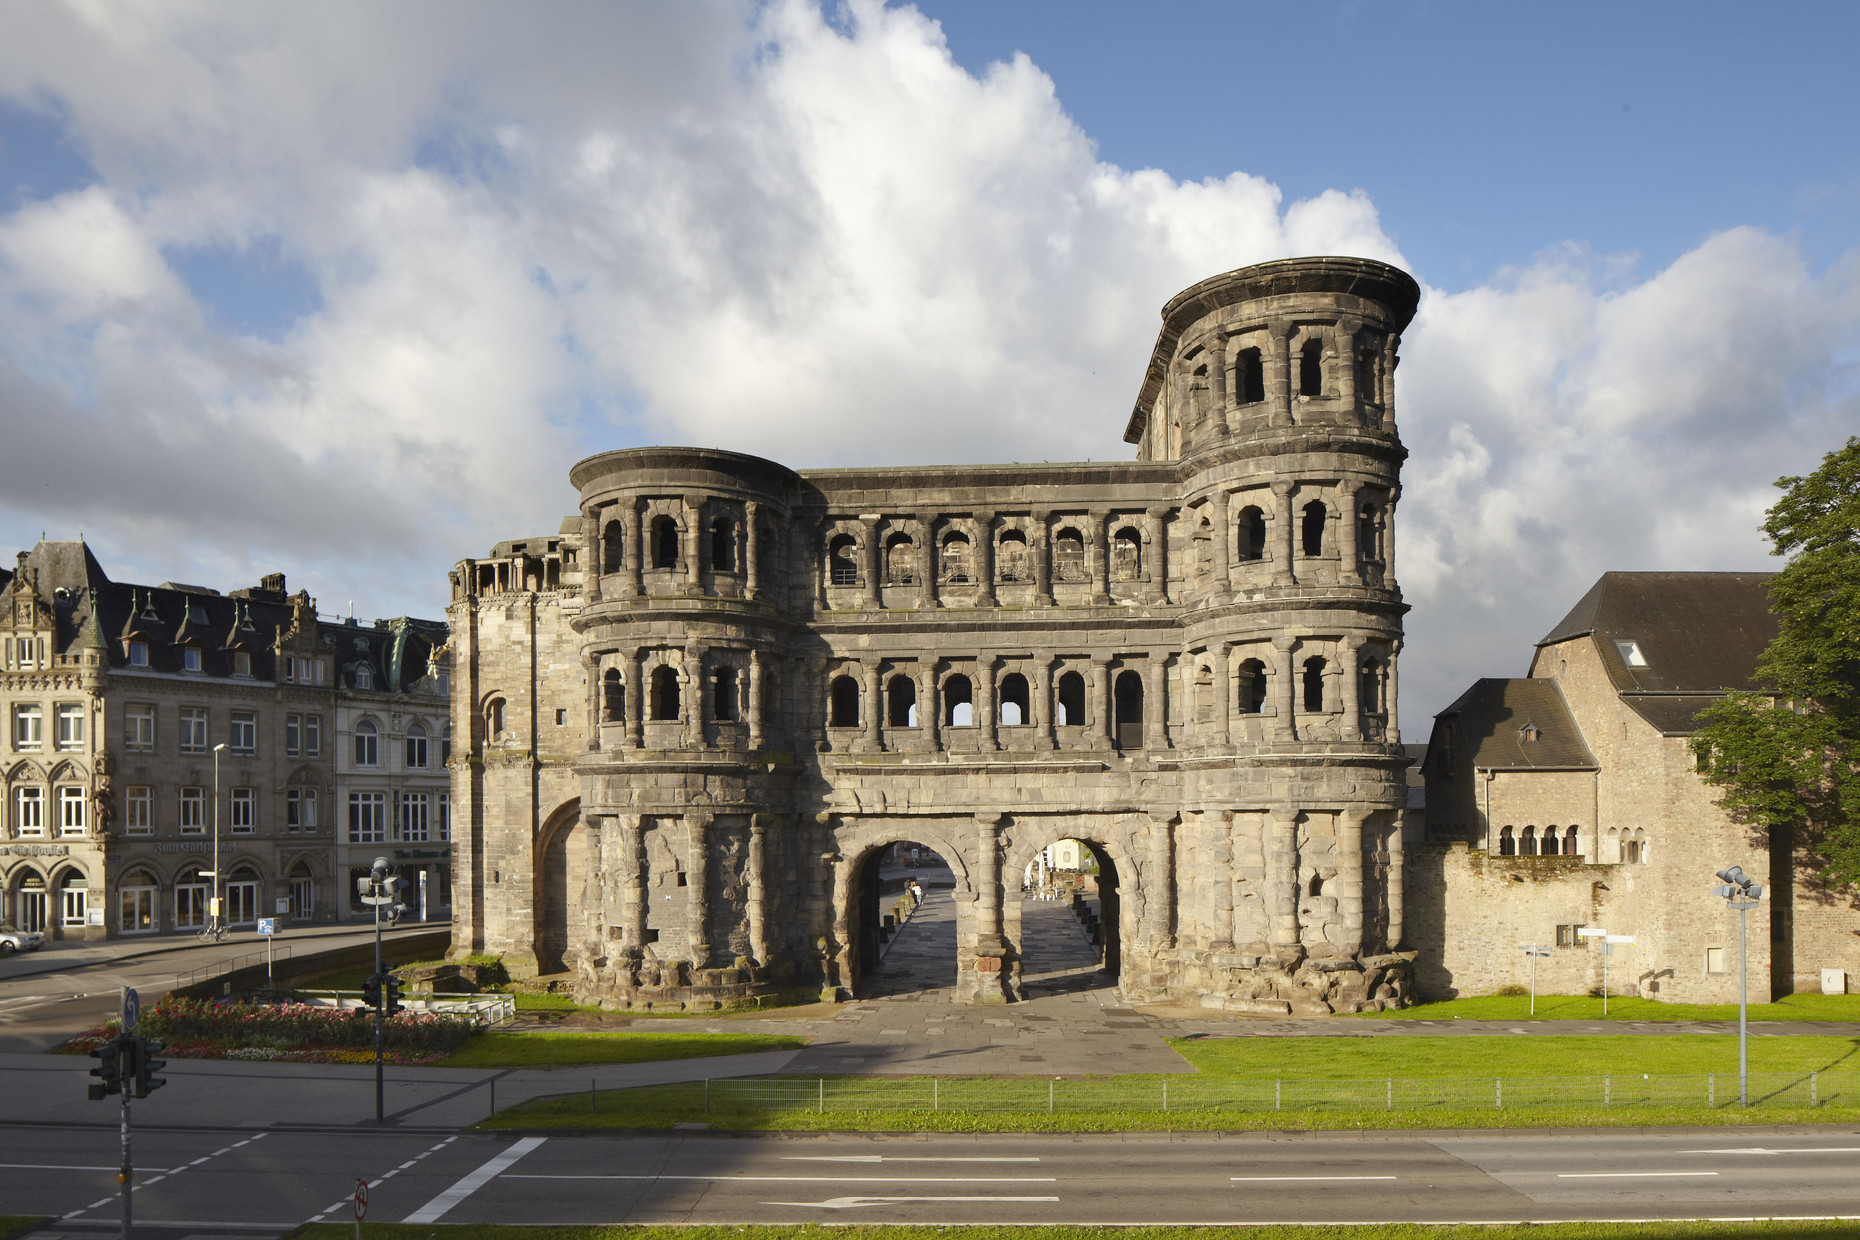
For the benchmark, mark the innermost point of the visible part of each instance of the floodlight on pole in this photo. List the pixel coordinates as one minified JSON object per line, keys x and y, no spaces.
{"x":219,"y":908}
{"x":1740,"y":893}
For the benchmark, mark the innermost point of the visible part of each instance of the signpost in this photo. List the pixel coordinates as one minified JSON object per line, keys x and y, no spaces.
{"x":361,"y":1206}
{"x":1533,"y":950}
{"x":132,"y":1013}
{"x":267,"y":927}
{"x":1608,"y":949}
{"x":381,"y":890}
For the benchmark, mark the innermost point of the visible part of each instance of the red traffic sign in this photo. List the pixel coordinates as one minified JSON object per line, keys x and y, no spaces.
{"x":361,"y":1200}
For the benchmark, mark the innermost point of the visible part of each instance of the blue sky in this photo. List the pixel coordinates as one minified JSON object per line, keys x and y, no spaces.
{"x":343,"y":291}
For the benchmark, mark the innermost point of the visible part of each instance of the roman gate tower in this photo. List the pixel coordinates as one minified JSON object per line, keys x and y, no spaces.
{"x":692,"y":738}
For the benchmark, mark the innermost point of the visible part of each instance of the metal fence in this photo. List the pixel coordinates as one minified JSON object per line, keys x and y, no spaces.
{"x":232,"y":964}
{"x":1202,"y":1096}
{"x":491,"y":1009}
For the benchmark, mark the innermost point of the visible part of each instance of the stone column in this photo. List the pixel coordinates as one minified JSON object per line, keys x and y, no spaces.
{"x":636,"y":549}
{"x":697,"y":875}
{"x":692,"y":676}
{"x":993,"y":982}
{"x":1343,"y":341}
{"x":1396,"y":883}
{"x":819,"y":539}
{"x":1156,"y":704}
{"x":1388,"y":539}
{"x":1223,"y":537}
{"x":1161,"y":903}
{"x":843,"y":948}
{"x":1350,"y":878}
{"x":752,"y":549}
{"x":1350,"y":556}
{"x":694,"y":541}
{"x":1279,"y":377}
{"x":986,"y":711}
{"x":595,"y":548}
{"x":1223,"y":693}
{"x":984,"y":559}
{"x":1219,"y":403}
{"x":1100,"y":560}
{"x":1394,"y":736}
{"x":1347,"y":650}
{"x":755,"y":700}
{"x":758,"y":888}
{"x":929,"y":707}
{"x":1284,"y":691}
{"x":610,"y":915}
{"x":1387,"y":377}
{"x":926,"y":560}
{"x":1282,"y":875}
{"x":633,"y":881}
{"x":871,"y":558}
{"x":1101,"y":701}
{"x":1043,"y":699}
{"x":1220,"y":822}
{"x":1286,"y":535}
{"x":1158,"y":557}
{"x":636,"y":689}
{"x":1041,"y":550}
{"x":874,"y":741}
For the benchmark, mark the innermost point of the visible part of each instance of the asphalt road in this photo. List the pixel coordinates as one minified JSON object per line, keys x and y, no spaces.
{"x":263,"y":1181}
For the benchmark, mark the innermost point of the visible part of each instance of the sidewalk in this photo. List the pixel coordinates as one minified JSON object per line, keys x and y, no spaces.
{"x":67,"y":957}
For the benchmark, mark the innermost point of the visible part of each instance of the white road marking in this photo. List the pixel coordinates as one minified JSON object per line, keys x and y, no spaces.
{"x":65,"y":1167}
{"x":885,"y":1158}
{"x":1267,"y":1179}
{"x":1757,"y":1149}
{"x":432,"y":1210}
{"x":165,"y":1173}
{"x":851,"y":1203}
{"x":1627,"y":1175}
{"x":797,"y":1179}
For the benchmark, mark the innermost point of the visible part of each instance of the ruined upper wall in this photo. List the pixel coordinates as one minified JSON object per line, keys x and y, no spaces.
{"x":1298,"y":342}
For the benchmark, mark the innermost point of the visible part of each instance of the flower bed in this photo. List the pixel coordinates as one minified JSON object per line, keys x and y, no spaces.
{"x":295,"y":1032}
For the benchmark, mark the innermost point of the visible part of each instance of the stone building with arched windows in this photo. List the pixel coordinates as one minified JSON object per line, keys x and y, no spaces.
{"x":691,"y":721}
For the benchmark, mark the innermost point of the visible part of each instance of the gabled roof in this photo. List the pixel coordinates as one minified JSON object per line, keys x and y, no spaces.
{"x":1699,"y":633}
{"x":1492,"y":717}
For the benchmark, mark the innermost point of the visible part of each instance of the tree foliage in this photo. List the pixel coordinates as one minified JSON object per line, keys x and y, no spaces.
{"x":1784,"y":757}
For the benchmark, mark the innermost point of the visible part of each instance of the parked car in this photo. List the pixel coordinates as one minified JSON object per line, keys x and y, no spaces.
{"x":16,"y":940}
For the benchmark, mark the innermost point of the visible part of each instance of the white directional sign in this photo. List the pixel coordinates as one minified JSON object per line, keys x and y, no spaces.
{"x":1620,"y":938}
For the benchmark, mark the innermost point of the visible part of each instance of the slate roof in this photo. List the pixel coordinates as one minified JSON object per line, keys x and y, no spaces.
{"x":1699,"y":633}
{"x":1493,"y":714}
{"x":395,"y":651}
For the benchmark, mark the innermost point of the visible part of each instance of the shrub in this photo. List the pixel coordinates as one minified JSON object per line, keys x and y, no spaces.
{"x":304,"y":1024}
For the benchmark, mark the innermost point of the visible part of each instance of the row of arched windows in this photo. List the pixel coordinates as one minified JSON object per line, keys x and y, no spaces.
{"x":1014,"y":558}
{"x":663,"y":543}
{"x":726,"y":690}
{"x":1530,"y":843}
{"x":1313,"y":522}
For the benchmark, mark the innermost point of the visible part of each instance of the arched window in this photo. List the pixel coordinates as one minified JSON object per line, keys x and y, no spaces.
{"x":723,"y":545}
{"x":842,"y":561}
{"x":416,"y":747}
{"x":1068,"y":555}
{"x":613,"y":697}
{"x":1126,"y":555}
{"x":1071,"y":700}
{"x":364,"y":676}
{"x":1014,"y":710}
{"x":1127,"y":706}
{"x":900,"y":560}
{"x":1252,"y":533}
{"x":1368,"y":543}
{"x":1571,"y":842}
{"x":1527,"y":842}
{"x":956,"y":559}
{"x":1204,"y":548}
{"x":1507,"y":846}
{"x":665,"y":696}
{"x":958,"y":702}
{"x":1011,"y":560}
{"x":901,"y":702}
{"x":725,"y":696}
{"x":664,"y":542}
{"x":1314,"y":686}
{"x":1249,"y":377}
{"x":1315,"y":517}
{"x":367,"y":744}
{"x":494,"y":718}
{"x":1369,"y":688}
{"x":1252,"y":687}
{"x":1316,"y":886}
{"x":1552,"y":841}
{"x":613,"y":547}
{"x":1204,"y":693}
{"x":843,"y":703}
{"x":1311,"y":368}
{"x":1366,"y":377}
{"x":445,"y":746}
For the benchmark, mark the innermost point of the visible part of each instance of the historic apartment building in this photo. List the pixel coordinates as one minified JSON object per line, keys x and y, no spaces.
{"x":691,"y":721}
{"x":1570,"y":798}
{"x":126,"y":706}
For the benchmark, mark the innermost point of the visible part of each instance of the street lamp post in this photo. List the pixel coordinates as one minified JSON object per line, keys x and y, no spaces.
{"x":381,"y":889}
{"x":1741,"y":894}
{"x":219,"y":908}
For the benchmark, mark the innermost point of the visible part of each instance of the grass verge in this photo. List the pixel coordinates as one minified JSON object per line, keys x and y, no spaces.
{"x":537,"y":1050}
{"x":1584,"y":1007}
{"x":12,"y":1224}
{"x":1450,"y":1055}
{"x":1784,"y":1230}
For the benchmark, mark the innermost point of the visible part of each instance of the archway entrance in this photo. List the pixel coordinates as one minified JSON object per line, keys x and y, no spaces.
{"x":561,"y":877}
{"x":902,"y":945}
{"x":1069,"y":920}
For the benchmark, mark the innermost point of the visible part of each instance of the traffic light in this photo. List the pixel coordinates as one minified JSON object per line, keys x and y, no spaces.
{"x":393,"y":888}
{"x":147,"y":1065}
{"x":371,"y":991}
{"x":109,"y":1070}
{"x":392,"y":986}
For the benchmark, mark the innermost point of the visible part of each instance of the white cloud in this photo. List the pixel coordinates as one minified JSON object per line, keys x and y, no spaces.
{"x":538,"y":233}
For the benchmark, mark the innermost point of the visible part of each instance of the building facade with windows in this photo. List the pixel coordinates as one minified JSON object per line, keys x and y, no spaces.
{"x":692,"y":722}
{"x":1570,"y":799}
{"x":392,"y":744}
{"x":118,"y":698}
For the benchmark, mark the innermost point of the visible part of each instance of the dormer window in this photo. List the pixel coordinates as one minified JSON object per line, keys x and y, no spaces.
{"x":138,"y":654}
{"x":190,"y":658}
{"x":1531,"y":734}
{"x":242,"y":663}
{"x":1630,"y":653}
{"x":364,"y":677}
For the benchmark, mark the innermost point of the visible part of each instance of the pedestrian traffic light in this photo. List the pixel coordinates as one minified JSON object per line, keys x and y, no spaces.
{"x":371,"y":991}
{"x":394,"y":888}
{"x":392,"y":986}
{"x":109,"y":1070}
{"x":147,"y":1065}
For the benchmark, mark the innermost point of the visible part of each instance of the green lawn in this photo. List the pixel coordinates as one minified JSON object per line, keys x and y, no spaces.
{"x":11,"y":1223}
{"x":1582,"y":1007}
{"x":534,"y":1050}
{"x":874,"y":1231}
{"x":1456,"y":1055}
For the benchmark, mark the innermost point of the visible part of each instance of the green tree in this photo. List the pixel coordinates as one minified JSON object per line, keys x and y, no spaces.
{"x":1784,"y":757}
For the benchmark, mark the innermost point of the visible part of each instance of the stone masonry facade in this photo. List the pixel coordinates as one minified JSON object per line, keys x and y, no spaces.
{"x":689,"y":722}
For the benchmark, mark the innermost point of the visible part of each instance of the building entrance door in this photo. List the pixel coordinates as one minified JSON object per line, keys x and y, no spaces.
{"x":32,"y":909}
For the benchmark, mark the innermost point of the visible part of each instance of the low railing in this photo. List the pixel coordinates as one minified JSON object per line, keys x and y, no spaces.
{"x":492,"y":1009}
{"x":1194,"y":1094}
{"x":232,"y":964}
